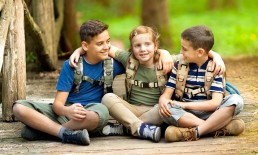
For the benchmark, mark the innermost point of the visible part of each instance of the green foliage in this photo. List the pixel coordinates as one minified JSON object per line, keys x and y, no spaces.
{"x":235,"y":29}
{"x":31,"y":57}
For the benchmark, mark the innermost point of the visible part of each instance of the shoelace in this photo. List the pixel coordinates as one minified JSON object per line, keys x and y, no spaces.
{"x":189,"y":135}
{"x":221,"y":132}
{"x":116,"y":129}
{"x":73,"y":136}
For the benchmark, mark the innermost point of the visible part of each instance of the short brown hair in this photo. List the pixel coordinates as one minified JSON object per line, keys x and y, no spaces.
{"x":91,"y":28}
{"x":199,"y":36}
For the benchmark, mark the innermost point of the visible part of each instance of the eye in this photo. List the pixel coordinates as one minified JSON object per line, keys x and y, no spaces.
{"x":148,"y":43}
{"x":108,"y":41}
{"x":184,"y":49}
{"x":136,"y":45}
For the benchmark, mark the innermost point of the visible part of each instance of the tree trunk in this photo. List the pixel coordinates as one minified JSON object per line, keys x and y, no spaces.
{"x":229,"y":4}
{"x":213,"y":4}
{"x":155,"y":14}
{"x":4,"y":24}
{"x":14,"y":68}
{"x":59,"y":18}
{"x":43,"y":15}
{"x":37,"y":44}
{"x":70,"y":33}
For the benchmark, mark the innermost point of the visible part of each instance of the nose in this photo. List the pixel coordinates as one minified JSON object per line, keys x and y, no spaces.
{"x":107,"y":46}
{"x":181,"y":51}
{"x":143,"y":48}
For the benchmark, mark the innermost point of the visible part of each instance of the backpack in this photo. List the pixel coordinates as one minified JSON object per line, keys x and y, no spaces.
{"x":106,"y":79}
{"x":181,"y":77}
{"x":131,"y":70}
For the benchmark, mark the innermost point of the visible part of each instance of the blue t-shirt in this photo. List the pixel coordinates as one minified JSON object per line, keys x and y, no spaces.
{"x":88,"y":93}
{"x":195,"y":80}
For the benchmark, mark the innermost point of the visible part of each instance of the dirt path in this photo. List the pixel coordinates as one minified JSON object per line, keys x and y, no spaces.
{"x":241,"y":72}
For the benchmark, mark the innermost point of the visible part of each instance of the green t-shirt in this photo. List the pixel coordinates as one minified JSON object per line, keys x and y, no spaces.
{"x":146,"y":96}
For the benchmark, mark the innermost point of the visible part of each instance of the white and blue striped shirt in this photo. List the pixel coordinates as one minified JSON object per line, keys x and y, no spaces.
{"x":195,"y":80}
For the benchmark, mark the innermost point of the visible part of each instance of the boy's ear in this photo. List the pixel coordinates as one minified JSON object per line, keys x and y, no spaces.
{"x":201,"y":52}
{"x":84,"y":45}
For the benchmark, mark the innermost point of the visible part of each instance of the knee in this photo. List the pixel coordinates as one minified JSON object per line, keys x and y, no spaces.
{"x":18,"y":110}
{"x":108,"y":99}
{"x":237,"y":100}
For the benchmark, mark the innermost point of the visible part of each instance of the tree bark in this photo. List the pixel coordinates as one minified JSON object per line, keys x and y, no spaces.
{"x":4,"y":24}
{"x":43,"y":15}
{"x":59,"y":18}
{"x":14,"y":69}
{"x":34,"y":32}
{"x":155,"y":14}
{"x":70,"y":32}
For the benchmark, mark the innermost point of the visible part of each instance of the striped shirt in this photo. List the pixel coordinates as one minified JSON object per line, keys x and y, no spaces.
{"x":195,"y":80}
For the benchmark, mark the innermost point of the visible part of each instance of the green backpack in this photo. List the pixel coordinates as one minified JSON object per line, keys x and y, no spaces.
{"x":107,"y":79}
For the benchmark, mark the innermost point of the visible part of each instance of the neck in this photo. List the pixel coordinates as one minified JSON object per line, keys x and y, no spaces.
{"x":90,"y":60}
{"x":202,"y":60}
{"x":148,"y":64}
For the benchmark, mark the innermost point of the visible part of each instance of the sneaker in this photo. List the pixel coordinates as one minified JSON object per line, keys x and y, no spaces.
{"x":175,"y":134}
{"x":235,"y":127}
{"x":31,"y":134}
{"x":76,"y":137}
{"x":148,"y":131}
{"x":112,"y":129}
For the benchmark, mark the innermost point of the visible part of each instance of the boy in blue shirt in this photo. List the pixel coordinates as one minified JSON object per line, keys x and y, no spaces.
{"x":198,"y":110}
{"x":73,"y":114}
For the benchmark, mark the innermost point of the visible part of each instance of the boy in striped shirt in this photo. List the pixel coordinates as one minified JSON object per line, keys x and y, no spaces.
{"x":198,"y":112}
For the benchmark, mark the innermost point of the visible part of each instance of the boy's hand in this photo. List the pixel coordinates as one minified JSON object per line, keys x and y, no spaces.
{"x":76,"y":112}
{"x":218,"y":65}
{"x":163,"y":108}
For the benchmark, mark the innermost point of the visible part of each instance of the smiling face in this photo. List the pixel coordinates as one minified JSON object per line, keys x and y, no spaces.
{"x":143,"y":48}
{"x":97,"y":49}
{"x":190,"y":55}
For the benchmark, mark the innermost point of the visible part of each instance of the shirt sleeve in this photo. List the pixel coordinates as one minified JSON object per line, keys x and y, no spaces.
{"x":217,"y":84}
{"x":66,"y":78}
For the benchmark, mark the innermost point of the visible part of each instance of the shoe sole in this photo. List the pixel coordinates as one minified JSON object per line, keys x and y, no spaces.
{"x":157,"y":135}
{"x":86,"y":137}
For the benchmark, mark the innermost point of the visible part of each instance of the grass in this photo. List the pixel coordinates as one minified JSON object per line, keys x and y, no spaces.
{"x":235,"y":30}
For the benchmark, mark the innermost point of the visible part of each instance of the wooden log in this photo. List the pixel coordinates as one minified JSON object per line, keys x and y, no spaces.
{"x":4,"y":24}
{"x":14,"y":68}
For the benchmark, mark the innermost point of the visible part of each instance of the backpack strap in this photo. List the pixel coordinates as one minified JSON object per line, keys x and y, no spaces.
{"x":78,"y":74}
{"x":209,"y":77}
{"x":181,"y":81}
{"x":162,"y":79}
{"x":181,"y":77}
{"x":108,"y":75}
{"x":131,"y":69}
{"x":107,"y":79}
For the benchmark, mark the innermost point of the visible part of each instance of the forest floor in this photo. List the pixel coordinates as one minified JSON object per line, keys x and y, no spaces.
{"x":242,"y":72}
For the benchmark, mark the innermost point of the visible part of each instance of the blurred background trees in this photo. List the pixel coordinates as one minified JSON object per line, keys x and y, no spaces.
{"x":54,"y":31}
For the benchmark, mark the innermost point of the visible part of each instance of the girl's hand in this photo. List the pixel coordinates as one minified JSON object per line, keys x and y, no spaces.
{"x":165,"y":61}
{"x":75,"y":57}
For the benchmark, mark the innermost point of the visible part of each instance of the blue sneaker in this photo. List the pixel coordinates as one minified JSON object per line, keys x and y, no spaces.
{"x":76,"y":137}
{"x":31,"y":134}
{"x":148,"y":131}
